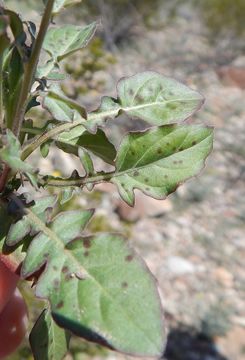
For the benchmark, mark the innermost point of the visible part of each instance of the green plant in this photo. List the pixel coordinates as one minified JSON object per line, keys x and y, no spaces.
{"x":95,"y":286}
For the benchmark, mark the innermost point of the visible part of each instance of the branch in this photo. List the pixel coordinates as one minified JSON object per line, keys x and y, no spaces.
{"x":30,"y":70}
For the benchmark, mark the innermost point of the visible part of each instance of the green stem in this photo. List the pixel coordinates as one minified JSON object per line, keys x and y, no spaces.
{"x":30,"y":70}
{"x":58,"y":182}
{"x":38,"y":141}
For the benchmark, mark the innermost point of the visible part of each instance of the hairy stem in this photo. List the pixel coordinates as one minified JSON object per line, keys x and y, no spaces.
{"x":30,"y":70}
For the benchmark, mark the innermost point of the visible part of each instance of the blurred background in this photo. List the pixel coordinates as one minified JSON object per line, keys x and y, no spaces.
{"x":193,"y":242}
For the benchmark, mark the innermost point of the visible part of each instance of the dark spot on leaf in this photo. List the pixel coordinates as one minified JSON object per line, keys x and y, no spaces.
{"x":129,"y":258}
{"x":60,"y":305}
{"x":69,"y":276}
{"x":87,"y":243}
{"x":175,"y":162}
{"x":159,"y":151}
{"x":123,"y":185}
{"x":124,"y":284}
{"x":65,"y":269}
{"x":180,"y":161}
{"x":132,"y":152}
{"x":56,"y":283}
{"x":86,"y":253}
{"x":181,"y":149}
{"x":194,"y":142}
{"x":136,"y":173}
{"x":146,"y":180}
{"x":167,"y":143}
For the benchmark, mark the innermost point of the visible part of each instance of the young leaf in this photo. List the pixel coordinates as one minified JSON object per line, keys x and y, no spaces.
{"x":23,"y":227}
{"x":61,"y":107}
{"x":158,"y":160}
{"x":97,"y":286}
{"x":152,"y":97}
{"x":86,"y":162}
{"x":48,"y":340}
{"x":11,"y":153}
{"x":63,"y":41}
{"x":97,"y":143}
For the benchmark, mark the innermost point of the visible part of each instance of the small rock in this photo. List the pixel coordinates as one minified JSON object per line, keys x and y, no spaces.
{"x":180,"y":266}
{"x":232,"y":76}
{"x":233,"y":343}
{"x":223,"y":276}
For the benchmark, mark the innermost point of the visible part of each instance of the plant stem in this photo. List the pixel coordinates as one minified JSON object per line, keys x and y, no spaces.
{"x":38,"y":141}
{"x":58,"y":182}
{"x":30,"y":70}
{"x":1,"y":93}
{"x":4,"y":177}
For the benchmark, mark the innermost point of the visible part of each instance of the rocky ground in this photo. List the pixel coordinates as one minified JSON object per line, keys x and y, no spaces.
{"x":193,"y":242}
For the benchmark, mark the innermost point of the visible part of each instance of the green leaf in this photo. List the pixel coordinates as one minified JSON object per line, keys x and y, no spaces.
{"x":63,"y":41}
{"x":20,"y":229}
{"x":12,"y":79}
{"x":152,"y":97}
{"x":97,"y":143}
{"x":4,"y":40}
{"x":61,"y":107}
{"x":11,"y":153}
{"x":48,"y":340}
{"x":66,"y":195}
{"x":158,"y":160}
{"x":17,"y":28}
{"x":61,"y":4}
{"x":86,"y":162}
{"x":97,"y":286}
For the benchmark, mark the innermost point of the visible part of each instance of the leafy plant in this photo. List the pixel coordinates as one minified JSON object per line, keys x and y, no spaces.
{"x":95,"y":286}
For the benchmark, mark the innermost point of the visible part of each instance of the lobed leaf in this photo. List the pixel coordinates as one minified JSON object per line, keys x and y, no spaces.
{"x":97,"y":286}
{"x":152,"y":97}
{"x":48,"y":340}
{"x":158,"y":160}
